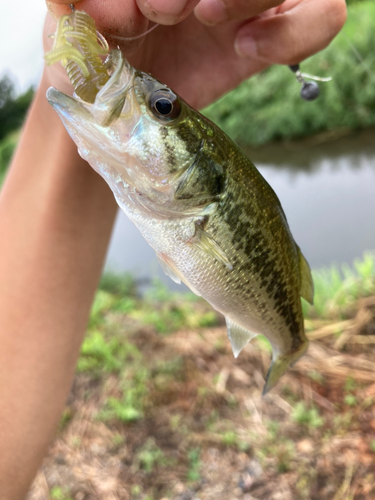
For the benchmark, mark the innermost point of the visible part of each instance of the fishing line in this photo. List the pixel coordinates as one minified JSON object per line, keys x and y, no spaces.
{"x":125,"y":38}
{"x":131,"y":38}
{"x":359,"y":57}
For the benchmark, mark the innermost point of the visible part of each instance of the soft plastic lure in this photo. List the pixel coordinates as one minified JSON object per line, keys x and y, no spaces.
{"x":78,"y":45}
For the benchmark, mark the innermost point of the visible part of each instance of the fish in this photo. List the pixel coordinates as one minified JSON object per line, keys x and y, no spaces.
{"x":212,"y":219}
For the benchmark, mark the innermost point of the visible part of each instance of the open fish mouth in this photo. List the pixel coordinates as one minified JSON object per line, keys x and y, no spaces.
{"x":110,"y":132}
{"x":110,"y":102}
{"x":102,"y":129}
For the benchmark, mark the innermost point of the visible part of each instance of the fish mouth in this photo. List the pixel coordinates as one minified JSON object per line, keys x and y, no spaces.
{"x":75,"y":115}
{"x":102,"y":129}
{"x":63,"y":104}
{"x":109,"y":101}
{"x":113,"y":113}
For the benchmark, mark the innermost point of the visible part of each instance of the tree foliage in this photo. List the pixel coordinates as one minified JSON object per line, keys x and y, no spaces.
{"x":7,"y":147}
{"x":12,"y":108}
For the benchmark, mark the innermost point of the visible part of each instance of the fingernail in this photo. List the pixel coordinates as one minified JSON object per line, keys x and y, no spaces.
{"x":157,"y":11}
{"x":64,"y":2}
{"x":56,"y":10}
{"x":212,"y":11}
{"x":246,"y":46}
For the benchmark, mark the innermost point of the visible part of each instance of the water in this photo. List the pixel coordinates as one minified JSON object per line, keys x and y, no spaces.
{"x":327,"y":191}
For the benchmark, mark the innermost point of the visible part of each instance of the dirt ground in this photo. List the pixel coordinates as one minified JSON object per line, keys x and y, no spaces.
{"x":204,"y":431}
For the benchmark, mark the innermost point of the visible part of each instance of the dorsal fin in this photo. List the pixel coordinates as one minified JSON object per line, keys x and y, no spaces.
{"x":307,"y":284}
{"x":238,"y":336}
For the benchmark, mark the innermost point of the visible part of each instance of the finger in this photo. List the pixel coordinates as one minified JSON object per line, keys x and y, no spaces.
{"x":57,"y":9}
{"x":290,"y":36}
{"x":64,"y":2}
{"x":213,"y":12}
{"x":121,"y":19}
{"x":166,"y":11}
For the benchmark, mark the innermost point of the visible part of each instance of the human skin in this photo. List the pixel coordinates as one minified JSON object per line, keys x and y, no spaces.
{"x":56,"y":214}
{"x":203,"y":61}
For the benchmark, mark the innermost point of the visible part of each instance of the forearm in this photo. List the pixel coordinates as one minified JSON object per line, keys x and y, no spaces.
{"x":56,"y":216}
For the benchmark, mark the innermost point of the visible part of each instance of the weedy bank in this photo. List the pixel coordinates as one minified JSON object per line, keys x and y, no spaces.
{"x":159,"y":409}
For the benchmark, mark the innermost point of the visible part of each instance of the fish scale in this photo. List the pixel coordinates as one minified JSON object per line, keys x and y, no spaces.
{"x":212,"y":219}
{"x":230,"y":292}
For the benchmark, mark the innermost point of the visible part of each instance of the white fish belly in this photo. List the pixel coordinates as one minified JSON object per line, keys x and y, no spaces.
{"x":238,"y":297}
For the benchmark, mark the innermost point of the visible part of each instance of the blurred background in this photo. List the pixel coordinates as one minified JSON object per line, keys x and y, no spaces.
{"x":157,"y":363}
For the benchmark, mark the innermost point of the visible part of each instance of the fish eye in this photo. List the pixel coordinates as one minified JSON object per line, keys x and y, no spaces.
{"x":165,"y":105}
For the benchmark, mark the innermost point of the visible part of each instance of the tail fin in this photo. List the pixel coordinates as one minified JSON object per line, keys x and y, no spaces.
{"x":281,"y":364}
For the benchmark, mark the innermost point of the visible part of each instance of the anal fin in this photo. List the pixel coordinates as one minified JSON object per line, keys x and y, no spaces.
{"x":238,"y":336}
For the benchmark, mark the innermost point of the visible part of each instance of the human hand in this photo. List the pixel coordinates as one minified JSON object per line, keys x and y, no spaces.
{"x":203,"y":49}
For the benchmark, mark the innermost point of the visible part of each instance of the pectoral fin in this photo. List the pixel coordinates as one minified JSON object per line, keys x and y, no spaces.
{"x":280,"y":364}
{"x":204,"y":242}
{"x":307,"y":284}
{"x":204,"y":180}
{"x":238,"y":336}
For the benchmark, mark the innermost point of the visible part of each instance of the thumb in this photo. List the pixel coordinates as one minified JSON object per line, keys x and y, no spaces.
{"x":289,"y":36}
{"x":59,"y":7}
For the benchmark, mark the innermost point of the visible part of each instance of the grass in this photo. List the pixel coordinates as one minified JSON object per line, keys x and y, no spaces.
{"x":160,"y":308}
{"x":132,"y":401}
{"x":277,"y":448}
{"x":147,"y":418}
{"x":337,"y":287}
{"x":110,"y":349}
{"x":308,"y":417}
{"x":150,"y":456}
{"x":119,"y":284}
{"x":268,"y":107}
{"x":193,"y":473}
{"x":57,"y":493}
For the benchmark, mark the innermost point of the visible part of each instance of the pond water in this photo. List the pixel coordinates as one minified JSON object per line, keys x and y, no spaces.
{"x":327,"y":190}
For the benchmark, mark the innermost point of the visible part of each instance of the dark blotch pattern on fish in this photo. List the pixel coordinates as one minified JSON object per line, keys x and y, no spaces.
{"x":190,"y":135}
{"x":204,"y":180}
{"x":249,"y":239}
{"x":169,"y":150}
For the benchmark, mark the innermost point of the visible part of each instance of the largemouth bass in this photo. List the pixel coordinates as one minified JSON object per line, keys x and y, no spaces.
{"x":212,"y":219}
